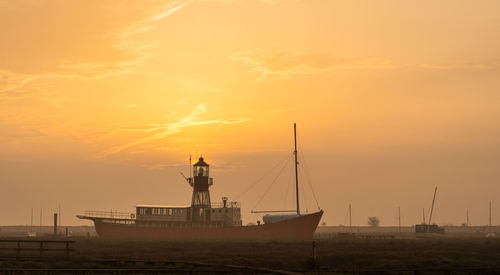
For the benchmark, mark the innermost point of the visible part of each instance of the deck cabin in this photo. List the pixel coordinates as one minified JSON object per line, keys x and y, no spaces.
{"x":201,"y":212}
{"x":429,"y":228}
{"x":218,"y":215}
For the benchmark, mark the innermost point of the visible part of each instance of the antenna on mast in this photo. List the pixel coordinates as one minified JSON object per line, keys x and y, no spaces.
{"x":296,"y":164}
{"x":432,"y":208}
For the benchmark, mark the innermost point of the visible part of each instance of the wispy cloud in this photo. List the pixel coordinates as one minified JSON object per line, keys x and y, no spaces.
{"x":72,"y":45}
{"x":161,"y":131}
{"x":11,"y":84}
{"x":282,"y":63}
{"x":463,"y":64}
{"x":175,"y":7}
{"x":272,"y":62}
{"x":181,"y":101}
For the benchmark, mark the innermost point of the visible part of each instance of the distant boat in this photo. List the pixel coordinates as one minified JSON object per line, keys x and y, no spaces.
{"x":203,"y":219}
{"x":428,"y":230}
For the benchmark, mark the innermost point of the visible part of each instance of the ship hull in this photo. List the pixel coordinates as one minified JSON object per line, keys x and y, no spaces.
{"x":302,"y":227}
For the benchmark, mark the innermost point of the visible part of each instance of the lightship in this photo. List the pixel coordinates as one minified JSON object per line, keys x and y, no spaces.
{"x":203,"y":219}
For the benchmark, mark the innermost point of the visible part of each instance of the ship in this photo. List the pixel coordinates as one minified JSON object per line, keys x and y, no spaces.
{"x":203,"y":219}
{"x":429,"y":230}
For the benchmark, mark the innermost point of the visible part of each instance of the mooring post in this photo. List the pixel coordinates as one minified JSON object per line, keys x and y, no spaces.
{"x":313,"y":252}
{"x":67,"y":248}
{"x":41,"y":248}
{"x":18,"y":249}
{"x":55,"y":224}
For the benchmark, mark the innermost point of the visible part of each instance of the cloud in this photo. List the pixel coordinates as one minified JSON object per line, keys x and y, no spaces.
{"x":85,"y":38}
{"x":12,"y":85}
{"x":272,"y":62}
{"x":161,"y":131}
{"x":463,"y":64}
{"x":240,"y":1}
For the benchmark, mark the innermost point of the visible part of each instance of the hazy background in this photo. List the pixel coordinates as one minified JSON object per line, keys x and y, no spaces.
{"x":101,"y":103}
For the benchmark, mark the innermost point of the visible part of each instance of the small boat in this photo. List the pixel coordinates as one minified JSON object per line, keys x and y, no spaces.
{"x":428,"y":230}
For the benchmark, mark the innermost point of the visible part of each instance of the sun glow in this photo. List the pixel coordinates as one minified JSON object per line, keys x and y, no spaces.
{"x":132,"y":89}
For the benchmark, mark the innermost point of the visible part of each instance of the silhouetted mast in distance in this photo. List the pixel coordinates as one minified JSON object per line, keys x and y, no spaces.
{"x":432,"y":208}
{"x":350,"y":219}
{"x":489,"y":218}
{"x":296,"y":164}
{"x":399,"y":219}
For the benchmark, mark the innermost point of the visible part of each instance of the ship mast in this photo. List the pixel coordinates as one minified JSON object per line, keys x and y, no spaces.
{"x":296,"y":164}
{"x":432,"y":208}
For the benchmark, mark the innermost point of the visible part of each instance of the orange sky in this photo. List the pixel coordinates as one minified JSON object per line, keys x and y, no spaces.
{"x":101,"y":103}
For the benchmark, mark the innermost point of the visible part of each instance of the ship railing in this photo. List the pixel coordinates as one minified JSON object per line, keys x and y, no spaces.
{"x":109,"y":214}
{"x":232,"y":204}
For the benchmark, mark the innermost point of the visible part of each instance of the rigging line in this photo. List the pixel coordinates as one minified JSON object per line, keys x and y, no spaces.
{"x":306,"y":172}
{"x":289,"y":182}
{"x":272,"y":183}
{"x":261,"y":178}
{"x":303,"y":159}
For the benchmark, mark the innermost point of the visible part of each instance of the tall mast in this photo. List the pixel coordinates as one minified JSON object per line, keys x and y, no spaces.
{"x":489,"y":216}
{"x":296,"y":164}
{"x":350,"y":219}
{"x":40,"y":222}
{"x":432,"y":208}
{"x":399,"y":219}
{"x":31,"y":228}
{"x":59,"y":214}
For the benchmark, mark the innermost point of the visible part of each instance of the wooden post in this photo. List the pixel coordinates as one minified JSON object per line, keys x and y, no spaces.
{"x":313,"y":253}
{"x":41,"y":248}
{"x":67,"y":248}
{"x":55,"y":223}
{"x":18,"y":249}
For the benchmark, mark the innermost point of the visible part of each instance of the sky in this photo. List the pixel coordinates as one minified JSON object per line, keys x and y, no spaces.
{"x":102,"y":102}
